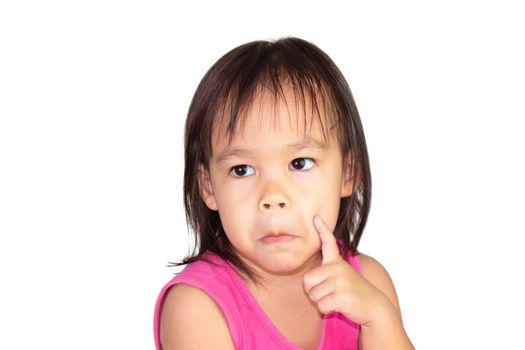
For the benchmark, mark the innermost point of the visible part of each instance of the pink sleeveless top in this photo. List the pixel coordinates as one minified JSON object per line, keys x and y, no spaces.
{"x":250,"y":327}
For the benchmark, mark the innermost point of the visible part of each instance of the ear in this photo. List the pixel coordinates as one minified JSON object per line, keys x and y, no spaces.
{"x":349,"y":182}
{"x":205,"y":188}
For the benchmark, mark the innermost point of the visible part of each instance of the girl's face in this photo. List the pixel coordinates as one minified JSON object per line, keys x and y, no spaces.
{"x":270,"y":182}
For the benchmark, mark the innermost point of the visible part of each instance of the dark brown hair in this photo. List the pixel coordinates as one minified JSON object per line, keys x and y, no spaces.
{"x":229,"y":88}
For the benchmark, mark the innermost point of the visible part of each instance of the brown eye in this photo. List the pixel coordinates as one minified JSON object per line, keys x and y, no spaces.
{"x":302,"y":163}
{"x":242,"y":170}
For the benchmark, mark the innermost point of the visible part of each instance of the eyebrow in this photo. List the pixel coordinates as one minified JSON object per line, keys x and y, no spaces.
{"x":297,"y":146}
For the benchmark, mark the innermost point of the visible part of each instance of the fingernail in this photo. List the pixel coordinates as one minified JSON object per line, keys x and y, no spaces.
{"x":318,"y":220}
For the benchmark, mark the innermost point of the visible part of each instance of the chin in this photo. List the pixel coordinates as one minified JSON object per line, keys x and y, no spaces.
{"x":282,"y":267}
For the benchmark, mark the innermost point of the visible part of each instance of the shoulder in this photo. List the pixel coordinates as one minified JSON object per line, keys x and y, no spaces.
{"x":376,"y":274}
{"x":187,"y":314}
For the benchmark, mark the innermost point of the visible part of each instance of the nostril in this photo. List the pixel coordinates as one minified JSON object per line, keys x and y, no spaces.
{"x":268,"y":206}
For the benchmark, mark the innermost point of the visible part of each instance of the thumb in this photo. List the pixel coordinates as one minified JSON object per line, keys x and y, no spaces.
{"x":329,"y":248}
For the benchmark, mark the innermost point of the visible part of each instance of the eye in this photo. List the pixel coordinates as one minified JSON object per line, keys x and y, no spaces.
{"x":242,"y":170}
{"x":302,"y":163}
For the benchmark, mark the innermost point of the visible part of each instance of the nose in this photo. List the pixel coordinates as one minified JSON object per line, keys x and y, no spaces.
{"x":273,"y":197}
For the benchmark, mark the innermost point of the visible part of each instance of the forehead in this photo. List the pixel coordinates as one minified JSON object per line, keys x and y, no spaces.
{"x":290,"y":115}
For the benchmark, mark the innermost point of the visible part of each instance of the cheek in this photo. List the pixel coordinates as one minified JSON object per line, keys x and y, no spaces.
{"x":233,"y":195}
{"x":234,"y":203}
{"x":320,"y":200}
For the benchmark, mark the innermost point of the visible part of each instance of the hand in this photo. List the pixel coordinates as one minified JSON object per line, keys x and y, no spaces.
{"x":336,"y":287}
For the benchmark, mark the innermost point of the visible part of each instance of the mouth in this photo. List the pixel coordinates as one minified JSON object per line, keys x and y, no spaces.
{"x":277,"y":238}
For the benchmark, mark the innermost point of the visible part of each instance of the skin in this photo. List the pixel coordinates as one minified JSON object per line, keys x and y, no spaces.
{"x":283,"y":179}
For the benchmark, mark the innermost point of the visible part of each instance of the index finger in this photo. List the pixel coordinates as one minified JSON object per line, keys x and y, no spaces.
{"x":329,"y":248}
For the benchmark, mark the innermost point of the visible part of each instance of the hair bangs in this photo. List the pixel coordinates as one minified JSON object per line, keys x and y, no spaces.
{"x":275,"y":79}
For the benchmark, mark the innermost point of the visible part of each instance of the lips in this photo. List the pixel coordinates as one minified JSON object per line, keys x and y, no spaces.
{"x":277,"y":238}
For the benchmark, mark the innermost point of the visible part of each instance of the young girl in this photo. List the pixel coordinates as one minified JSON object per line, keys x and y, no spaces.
{"x":277,"y":191}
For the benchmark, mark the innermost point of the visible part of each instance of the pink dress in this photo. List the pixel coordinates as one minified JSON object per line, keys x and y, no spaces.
{"x":250,"y":327}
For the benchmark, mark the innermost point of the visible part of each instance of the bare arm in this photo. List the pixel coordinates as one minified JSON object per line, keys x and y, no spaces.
{"x":192,"y":320}
{"x":388,"y":331}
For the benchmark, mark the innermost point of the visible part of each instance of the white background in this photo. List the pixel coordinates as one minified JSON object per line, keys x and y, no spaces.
{"x":93,"y":97}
